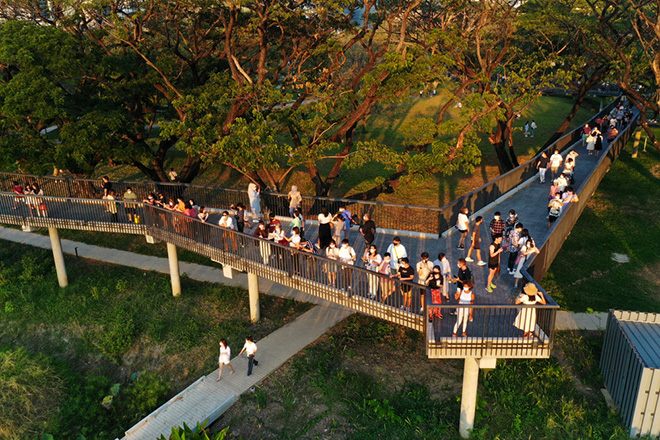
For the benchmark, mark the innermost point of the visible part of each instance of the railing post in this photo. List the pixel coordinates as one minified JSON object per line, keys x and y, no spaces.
{"x":58,"y":256}
{"x":253,"y":291}
{"x":469,"y":396}
{"x":174,"y":269}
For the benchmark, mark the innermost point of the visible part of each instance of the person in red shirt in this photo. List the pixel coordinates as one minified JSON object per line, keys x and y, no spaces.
{"x":18,"y":190}
{"x":272,"y":223}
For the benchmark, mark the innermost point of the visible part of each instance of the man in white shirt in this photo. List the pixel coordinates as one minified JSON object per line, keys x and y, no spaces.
{"x":250,"y":349}
{"x":463,"y":226}
{"x":347,"y":256}
{"x":397,"y":251}
{"x":226,"y":221}
{"x":555,"y":163}
{"x":173,"y":175}
{"x":424,"y":268}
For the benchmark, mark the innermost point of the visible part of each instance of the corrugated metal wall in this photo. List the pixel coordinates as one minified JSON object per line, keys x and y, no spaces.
{"x":634,"y":387}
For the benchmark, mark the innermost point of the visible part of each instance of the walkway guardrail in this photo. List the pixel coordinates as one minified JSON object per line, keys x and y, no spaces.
{"x":399,"y":217}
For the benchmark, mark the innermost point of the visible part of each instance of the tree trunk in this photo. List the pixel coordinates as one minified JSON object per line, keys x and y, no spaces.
{"x":498,"y":141}
{"x":387,"y":187}
{"x":567,"y":121}
{"x":190,"y":169}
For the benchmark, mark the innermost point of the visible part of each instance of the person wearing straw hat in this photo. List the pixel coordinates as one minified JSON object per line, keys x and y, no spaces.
{"x":526,"y":318}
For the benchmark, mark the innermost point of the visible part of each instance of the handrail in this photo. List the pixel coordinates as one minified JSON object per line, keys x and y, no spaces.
{"x":400,"y":217}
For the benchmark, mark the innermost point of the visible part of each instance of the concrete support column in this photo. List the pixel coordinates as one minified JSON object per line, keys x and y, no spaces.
{"x":253,"y":290}
{"x":58,"y":256}
{"x":469,"y":396}
{"x":174,"y":269}
{"x":638,"y":137}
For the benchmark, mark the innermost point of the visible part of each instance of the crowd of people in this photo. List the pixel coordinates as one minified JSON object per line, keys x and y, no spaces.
{"x":30,"y":195}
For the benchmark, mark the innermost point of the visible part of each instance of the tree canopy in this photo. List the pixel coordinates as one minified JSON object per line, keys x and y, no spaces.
{"x":268,"y":86}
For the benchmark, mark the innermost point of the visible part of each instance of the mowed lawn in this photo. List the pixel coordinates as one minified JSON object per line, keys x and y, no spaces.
{"x":622,"y":217}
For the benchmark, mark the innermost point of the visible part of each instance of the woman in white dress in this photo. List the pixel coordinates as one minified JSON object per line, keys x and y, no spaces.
{"x":526,"y":319}
{"x":224,"y":359}
{"x":372,"y":260}
{"x":255,"y":206}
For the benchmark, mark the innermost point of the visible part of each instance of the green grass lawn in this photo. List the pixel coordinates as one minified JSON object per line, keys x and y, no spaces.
{"x":622,"y":217}
{"x":115,"y":335}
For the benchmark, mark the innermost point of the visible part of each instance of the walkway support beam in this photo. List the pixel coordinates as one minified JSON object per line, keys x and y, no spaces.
{"x":58,"y":256}
{"x":174,"y":269}
{"x":469,"y":396}
{"x":253,"y":291}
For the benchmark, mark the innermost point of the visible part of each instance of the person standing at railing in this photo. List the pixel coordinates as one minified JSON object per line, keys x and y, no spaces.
{"x":325,"y":228}
{"x":494,"y":251}
{"x":226,"y":222}
{"x":372,"y":260}
{"x":463,"y":276}
{"x":203,"y":214}
{"x":463,"y":226}
{"x":465,"y":296}
{"x":112,"y":206}
{"x":240,"y":217}
{"x":348,"y":220}
{"x":368,"y":229}
{"x":38,"y":202}
{"x":107,"y":187}
{"x":272,"y":222}
{"x":445,"y":269}
{"x":279,"y":237}
{"x":386,"y":284}
{"x":131,"y":197}
{"x":423,"y":269}
{"x":555,"y":207}
{"x":294,"y":242}
{"x":526,"y":318}
{"x":348,"y":257}
{"x":434,"y":282}
{"x":20,"y":194}
{"x":264,"y":246}
{"x":405,"y":273}
{"x":331,"y":253}
{"x":255,"y":205}
{"x":295,"y":200}
{"x":397,"y":251}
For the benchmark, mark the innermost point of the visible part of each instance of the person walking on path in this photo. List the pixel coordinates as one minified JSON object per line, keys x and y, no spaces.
{"x":434,"y":282}
{"x":555,"y":162}
{"x":295,"y":200}
{"x":463,"y":226}
{"x":494,"y":251}
{"x":497,"y":225}
{"x":533,"y":127}
{"x":107,"y":187}
{"x":526,"y":318}
{"x":526,"y":129}
{"x":476,"y":242}
{"x":555,"y":207}
{"x":591,"y":142}
{"x":130,"y":196}
{"x":368,"y":229}
{"x":542,"y":166}
{"x":224,"y":358}
{"x":250,"y":349}
{"x":464,"y":297}
{"x":397,"y":251}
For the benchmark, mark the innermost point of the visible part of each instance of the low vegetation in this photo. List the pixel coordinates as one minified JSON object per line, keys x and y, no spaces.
{"x":368,"y":379}
{"x":113,"y":345}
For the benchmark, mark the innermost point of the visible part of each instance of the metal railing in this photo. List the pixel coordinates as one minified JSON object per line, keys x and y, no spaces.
{"x":399,"y":217}
{"x":355,"y":287}
{"x":496,"y":331}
